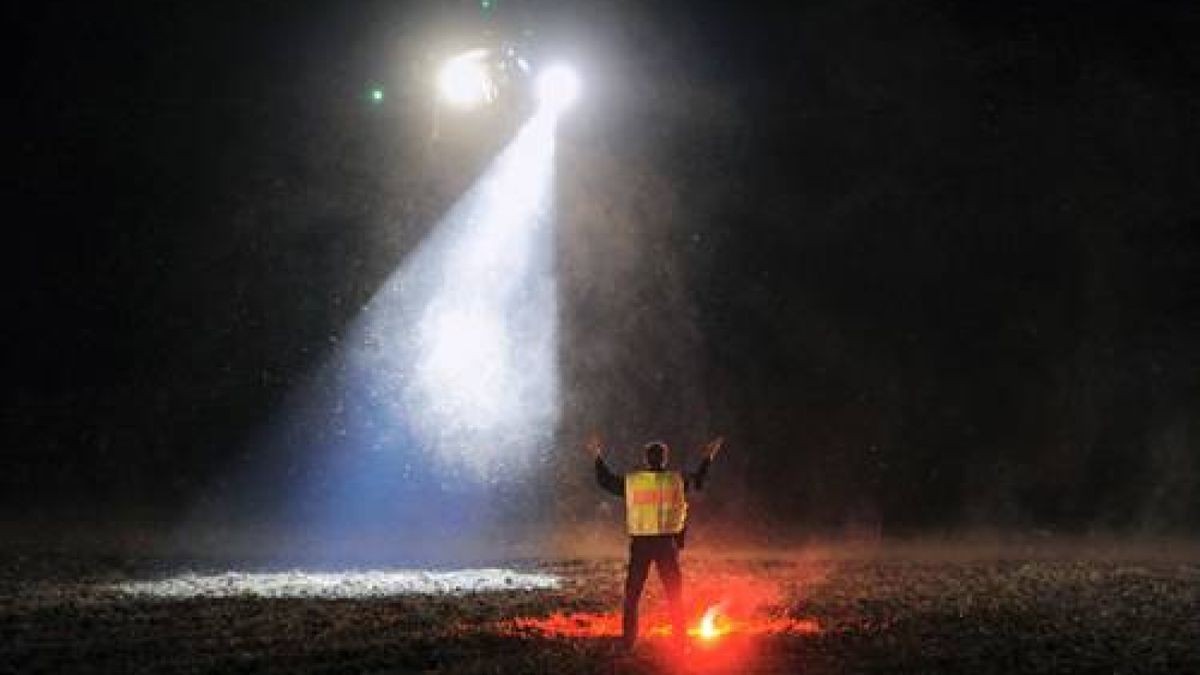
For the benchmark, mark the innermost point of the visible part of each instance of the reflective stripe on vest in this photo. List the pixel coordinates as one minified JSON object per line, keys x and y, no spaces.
{"x":654,"y":502}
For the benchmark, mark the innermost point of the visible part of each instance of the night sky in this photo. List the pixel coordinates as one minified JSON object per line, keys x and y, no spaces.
{"x":930,"y":266}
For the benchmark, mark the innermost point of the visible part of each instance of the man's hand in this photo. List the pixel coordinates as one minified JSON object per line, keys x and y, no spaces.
{"x":713,"y":447}
{"x":594,"y":446}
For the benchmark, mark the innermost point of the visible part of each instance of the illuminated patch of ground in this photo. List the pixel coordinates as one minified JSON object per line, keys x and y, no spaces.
{"x":353,"y":584}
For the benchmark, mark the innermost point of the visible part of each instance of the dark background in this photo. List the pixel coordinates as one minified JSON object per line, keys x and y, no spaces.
{"x":931,"y":266}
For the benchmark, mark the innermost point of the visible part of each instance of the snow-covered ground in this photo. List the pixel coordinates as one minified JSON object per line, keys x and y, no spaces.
{"x":351,"y":584}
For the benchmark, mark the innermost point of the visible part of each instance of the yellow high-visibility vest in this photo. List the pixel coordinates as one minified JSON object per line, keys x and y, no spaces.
{"x":654,"y":502}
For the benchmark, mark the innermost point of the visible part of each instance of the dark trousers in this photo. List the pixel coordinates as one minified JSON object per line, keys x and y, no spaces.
{"x":663,"y":551}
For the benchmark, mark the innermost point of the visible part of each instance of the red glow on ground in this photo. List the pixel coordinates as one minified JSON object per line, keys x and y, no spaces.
{"x":608,"y":625}
{"x":731,"y":619}
{"x":572,"y":625}
{"x":723,"y":643}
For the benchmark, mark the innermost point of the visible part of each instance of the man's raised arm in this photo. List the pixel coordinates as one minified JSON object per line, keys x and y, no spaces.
{"x":608,"y":480}
{"x":695,"y":479}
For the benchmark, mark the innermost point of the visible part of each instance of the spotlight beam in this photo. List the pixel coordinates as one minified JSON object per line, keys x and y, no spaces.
{"x":442,"y":400}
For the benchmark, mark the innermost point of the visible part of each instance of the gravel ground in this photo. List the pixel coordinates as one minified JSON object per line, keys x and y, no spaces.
{"x":60,"y":614}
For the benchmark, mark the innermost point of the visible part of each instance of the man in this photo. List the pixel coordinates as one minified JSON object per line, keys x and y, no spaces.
{"x":656,"y":519}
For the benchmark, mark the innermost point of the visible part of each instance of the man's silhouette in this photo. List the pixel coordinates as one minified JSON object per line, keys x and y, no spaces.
{"x":656,"y":519}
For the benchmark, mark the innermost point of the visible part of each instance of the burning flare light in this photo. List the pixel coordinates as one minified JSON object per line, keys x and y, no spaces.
{"x":709,"y":629}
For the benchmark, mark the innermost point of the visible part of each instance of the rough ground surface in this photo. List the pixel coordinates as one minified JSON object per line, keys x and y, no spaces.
{"x":61,"y":614}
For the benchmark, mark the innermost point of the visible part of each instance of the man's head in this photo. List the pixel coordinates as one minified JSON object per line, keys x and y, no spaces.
{"x":657,"y":454}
